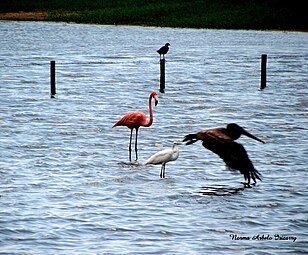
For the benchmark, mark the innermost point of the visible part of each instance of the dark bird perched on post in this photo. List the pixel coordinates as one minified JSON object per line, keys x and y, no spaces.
{"x":163,"y":50}
{"x":221,"y":141}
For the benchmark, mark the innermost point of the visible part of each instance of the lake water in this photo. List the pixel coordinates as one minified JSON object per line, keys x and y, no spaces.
{"x":63,"y":186}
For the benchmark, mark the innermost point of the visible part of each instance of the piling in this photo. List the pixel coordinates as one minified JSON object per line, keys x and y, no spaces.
{"x":52,"y":79}
{"x":162,"y":75}
{"x":263,"y":71}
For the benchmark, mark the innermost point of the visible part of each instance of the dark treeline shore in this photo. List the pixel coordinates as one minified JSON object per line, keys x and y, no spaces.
{"x":218,"y":14}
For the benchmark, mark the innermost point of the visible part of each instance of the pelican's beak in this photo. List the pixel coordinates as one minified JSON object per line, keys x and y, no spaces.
{"x":244,"y":132}
{"x":156,"y":99}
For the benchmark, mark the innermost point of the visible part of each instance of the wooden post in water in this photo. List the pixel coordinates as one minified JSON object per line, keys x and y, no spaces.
{"x":263,"y":71}
{"x":162,"y":75}
{"x":52,"y":79}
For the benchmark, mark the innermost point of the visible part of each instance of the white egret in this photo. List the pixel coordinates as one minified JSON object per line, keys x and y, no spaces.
{"x":164,"y":156}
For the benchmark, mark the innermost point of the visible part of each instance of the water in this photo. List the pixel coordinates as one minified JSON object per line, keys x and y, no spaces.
{"x":64,"y":189}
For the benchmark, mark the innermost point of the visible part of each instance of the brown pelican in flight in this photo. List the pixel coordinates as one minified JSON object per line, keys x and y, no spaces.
{"x":221,"y":141}
{"x":163,"y":50}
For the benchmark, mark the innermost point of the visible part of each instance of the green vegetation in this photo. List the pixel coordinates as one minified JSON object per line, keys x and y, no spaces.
{"x":227,"y":14}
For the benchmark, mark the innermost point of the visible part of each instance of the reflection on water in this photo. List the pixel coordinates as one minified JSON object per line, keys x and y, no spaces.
{"x":64,"y":187}
{"x":220,"y":191}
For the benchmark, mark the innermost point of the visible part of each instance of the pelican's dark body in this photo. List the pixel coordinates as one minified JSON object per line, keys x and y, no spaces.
{"x":221,"y":142}
{"x":163,"y":50}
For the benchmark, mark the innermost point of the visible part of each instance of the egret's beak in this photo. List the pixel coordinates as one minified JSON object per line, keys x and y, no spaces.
{"x":177,"y":143}
{"x":244,"y":132}
{"x":156,"y":99}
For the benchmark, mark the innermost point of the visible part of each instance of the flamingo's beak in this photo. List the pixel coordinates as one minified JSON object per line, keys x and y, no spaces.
{"x":156,"y":99}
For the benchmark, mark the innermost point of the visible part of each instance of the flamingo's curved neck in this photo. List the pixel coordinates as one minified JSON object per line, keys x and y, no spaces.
{"x":149,"y":123}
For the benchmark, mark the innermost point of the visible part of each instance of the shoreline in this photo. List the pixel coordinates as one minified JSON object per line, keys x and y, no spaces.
{"x":43,"y":16}
{"x":24,"y":16}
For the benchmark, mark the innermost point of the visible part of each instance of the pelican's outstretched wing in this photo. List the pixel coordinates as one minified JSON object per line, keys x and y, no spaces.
{"x":234,"y":155}
{"x":214,"y":135}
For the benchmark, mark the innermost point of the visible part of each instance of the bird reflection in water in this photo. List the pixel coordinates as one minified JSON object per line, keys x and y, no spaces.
{"x":220,"y":191}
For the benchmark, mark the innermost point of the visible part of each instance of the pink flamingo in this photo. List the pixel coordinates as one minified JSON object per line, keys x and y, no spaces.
{"x":134,"y":120}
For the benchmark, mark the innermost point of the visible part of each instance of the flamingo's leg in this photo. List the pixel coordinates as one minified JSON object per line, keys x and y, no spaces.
{"x":130,"y":145}
{"x":136,"y":142}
